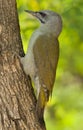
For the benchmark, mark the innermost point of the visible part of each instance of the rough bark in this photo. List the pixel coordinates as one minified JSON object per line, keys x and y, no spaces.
{"x":17,"y":99}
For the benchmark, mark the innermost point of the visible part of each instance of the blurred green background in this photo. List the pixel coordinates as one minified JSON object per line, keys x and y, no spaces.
{"x":64,"y":111}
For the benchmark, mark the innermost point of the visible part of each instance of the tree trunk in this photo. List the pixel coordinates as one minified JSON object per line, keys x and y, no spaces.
{"x":17,"y":99}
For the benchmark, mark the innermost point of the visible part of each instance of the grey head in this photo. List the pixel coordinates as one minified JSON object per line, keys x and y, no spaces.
{"x":50,"y":20}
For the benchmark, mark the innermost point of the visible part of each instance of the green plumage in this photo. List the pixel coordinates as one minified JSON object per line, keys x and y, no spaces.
{"x":46,"y":54}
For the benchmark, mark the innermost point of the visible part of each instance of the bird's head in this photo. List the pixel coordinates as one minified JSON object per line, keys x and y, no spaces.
{"x":50,"y":19}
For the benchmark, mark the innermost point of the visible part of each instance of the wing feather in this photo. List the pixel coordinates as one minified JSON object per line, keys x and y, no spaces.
{"x":46,"y":54}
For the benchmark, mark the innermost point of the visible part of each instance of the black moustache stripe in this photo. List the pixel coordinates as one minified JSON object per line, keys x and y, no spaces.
{"x":42,"y":21}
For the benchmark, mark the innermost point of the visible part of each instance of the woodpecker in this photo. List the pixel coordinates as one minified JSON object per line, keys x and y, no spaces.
{"x":40,"y":61}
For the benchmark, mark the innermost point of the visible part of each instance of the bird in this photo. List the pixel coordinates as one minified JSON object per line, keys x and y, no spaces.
{"x":41,"y":60}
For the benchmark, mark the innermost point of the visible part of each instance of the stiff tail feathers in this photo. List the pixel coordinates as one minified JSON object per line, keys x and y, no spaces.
{"x":41,"y":102}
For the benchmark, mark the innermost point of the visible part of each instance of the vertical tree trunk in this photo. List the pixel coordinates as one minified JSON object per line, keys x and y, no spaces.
{"x":17,"y":100}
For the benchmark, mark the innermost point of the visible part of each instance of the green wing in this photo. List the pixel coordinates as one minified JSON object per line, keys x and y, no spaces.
{"x":46,"y":53}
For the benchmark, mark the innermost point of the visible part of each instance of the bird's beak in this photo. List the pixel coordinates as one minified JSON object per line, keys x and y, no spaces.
{"x":31,"y":12}
{"x":36,"y":14}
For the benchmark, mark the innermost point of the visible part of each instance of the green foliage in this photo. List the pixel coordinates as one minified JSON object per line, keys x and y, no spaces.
{"x":65,"y":110}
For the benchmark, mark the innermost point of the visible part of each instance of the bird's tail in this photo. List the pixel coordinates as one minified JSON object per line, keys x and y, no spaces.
{"x":41,"y":102}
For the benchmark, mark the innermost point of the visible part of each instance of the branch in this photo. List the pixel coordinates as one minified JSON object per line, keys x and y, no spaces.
{"x":17,"y":99}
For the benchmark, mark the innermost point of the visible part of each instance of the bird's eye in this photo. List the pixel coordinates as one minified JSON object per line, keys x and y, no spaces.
{"x":42,"y":14}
